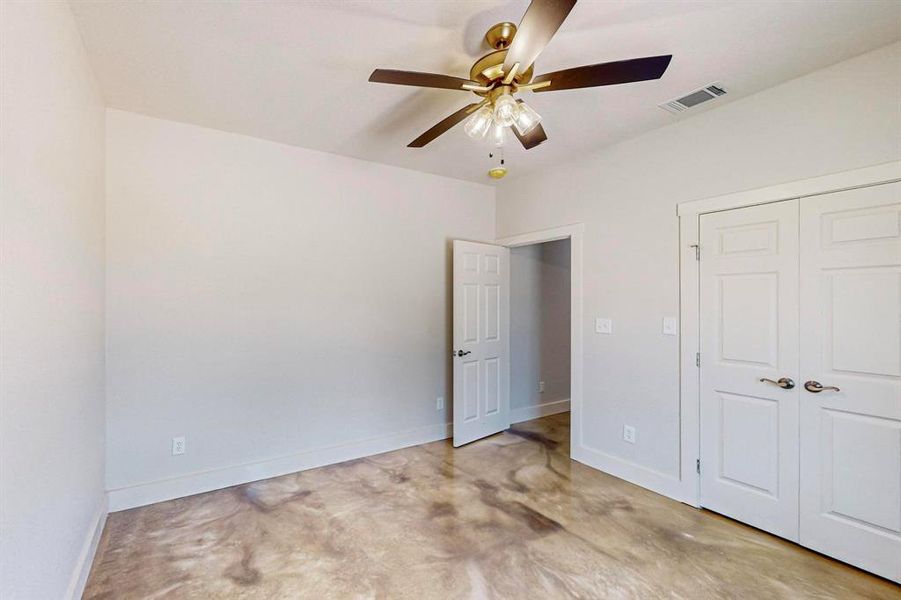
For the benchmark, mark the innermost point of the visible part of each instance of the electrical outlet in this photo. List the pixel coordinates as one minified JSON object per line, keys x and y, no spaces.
{"x":439,"y":403}
{"x":540,"y":387}
{"x":178,"y":445}
{"x":603,"y":325}
{"x":629,"y":434}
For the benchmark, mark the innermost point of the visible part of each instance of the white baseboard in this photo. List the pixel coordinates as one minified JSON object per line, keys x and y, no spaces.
{"x":661,"y":483}
{"x":527,"y":413}
{"x":207,"y":481}
{"x":86,"y":557}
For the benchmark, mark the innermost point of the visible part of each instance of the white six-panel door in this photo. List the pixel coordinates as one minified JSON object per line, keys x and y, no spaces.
{"x":801,"y":371}
{"x":851,"y":340}
{"x":481,"y":340}
{"x":749,"y":332}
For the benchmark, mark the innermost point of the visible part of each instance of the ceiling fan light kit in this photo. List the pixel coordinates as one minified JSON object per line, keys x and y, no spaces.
{"x":508,"y":69}
{"x":501,"y":110}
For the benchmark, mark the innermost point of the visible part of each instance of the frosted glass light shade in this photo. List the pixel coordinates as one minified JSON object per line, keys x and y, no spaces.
{"x":505,"y":110}
{"x":478,"y":124}
{"x":526,"y":119}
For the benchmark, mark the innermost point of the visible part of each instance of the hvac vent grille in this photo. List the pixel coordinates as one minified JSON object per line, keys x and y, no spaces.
{"x":710,"y":92}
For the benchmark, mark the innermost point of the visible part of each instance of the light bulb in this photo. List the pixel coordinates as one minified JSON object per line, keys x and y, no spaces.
{"x":497,"y":134}
{"x":505,"y":110}
{"x":477,"y":125}
{"x":526,"y":119}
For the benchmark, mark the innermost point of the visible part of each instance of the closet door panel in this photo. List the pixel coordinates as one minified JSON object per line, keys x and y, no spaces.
{"x":851,"y":340}
{"x":749,"y":332}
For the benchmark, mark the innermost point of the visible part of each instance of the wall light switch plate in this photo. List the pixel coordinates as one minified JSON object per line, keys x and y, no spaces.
{"x":629,"y":434}
{"x":540,"y":387}
{"x":178,"y":445}
{"x":670,"y":326}
{"x":603,"y":325}
{"x":439,"y":403}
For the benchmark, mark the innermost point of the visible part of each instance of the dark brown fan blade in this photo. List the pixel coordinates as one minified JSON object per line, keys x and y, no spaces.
{"x":534,"y":137}
{"x":443,"y":125}
{"x":541,"y":21}
{"x":624,"y":71}
{"x":431,"y":80}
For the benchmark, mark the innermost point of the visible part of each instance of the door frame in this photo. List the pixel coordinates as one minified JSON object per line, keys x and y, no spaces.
{"x":688,"y":214}
{"x":575,"y":234}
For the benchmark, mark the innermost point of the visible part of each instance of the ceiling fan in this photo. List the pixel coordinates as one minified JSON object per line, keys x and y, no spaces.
{"x":508,"y":69}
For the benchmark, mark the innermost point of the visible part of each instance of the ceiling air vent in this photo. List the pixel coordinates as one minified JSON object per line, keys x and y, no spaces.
{"x":714,"y":90}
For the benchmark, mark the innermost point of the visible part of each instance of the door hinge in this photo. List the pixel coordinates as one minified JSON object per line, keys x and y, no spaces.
{"x":698,"y":359}
{"x":698,"y":466}
{"x":697,"y":248}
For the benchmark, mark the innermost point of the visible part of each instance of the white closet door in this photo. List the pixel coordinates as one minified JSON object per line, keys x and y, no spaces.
{"x":851,"y":339}
{"x":749,"y":331}
{"x":481,"y":340}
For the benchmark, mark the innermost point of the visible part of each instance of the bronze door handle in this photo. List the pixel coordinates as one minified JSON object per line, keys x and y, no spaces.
{"x":815,"y":387}
{"x":784,"y":382}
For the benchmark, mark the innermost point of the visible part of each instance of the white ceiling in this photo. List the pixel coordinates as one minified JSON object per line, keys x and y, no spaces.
{"x":296,"y":72}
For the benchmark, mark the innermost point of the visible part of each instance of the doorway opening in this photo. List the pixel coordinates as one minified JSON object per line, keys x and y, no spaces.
{"x":482,"y":340}
{"x":540,"y":336}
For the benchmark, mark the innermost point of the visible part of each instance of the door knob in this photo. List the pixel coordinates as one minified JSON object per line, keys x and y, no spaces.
{"x":815,"y":387}
{"x":463,"y":352}
{"x":784,"y":382}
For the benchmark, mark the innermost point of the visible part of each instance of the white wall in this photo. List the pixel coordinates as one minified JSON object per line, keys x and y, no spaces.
{"x":540,"y":327}
{"x":51,"y":303}
{"x":268,"y":301}
{"x":844,"y":117}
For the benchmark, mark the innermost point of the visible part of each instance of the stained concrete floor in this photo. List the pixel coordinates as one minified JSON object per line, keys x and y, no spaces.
{"x":507,"y":517}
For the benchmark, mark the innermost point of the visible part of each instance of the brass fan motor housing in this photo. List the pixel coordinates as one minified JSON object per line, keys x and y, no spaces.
{"x":490,"y":69}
